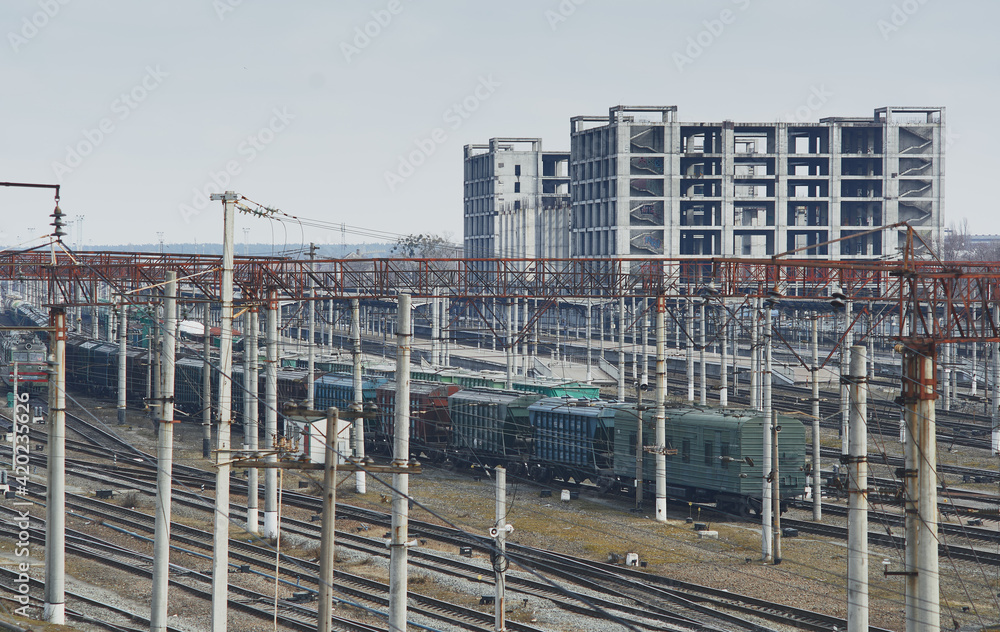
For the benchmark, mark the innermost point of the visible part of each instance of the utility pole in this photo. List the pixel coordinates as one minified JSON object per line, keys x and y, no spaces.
{"x":775,"y":487}
{"x":995,"y":401}
{"x":661,"y":412}
{"x":164,"y":464}
{"x":765,"y":513}
{"x":922,"y":609}
{"x":206,"y":382}
{"x":845,"y":416}
{"x":254,"y":421}
{"x":271,"y":415}
{"x":689,"y":349}
{"x":156,"y":358}
{"x":499,"y":533}
{"x":122,"y":360}
{"x":857,"y":521}
{"x":755,"y":402}
{"x":220,"y":545}
{"x":815,"y":475}
{"x":327,"y":550}
{"x":508,"y":348}
{"x":401,"y":482}
{"x":703,"y":386}
{"x":311,"y":347}
{"x":55,"y":499}
{"x":723,"y":355}
{"x":332,"y":464}
{"x":590,"y":343}
{"x":621,"y":349}
{"x":360,"y":484}
{"x":435,"y":329}
{"x":639,"y":448}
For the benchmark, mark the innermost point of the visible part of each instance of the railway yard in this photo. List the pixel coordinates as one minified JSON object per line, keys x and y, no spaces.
{"x":561,"y":573}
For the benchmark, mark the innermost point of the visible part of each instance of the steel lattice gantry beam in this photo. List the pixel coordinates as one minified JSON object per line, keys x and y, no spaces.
{"x":949,"y":301}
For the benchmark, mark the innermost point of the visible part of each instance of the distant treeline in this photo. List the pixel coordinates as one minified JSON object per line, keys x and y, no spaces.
{"x":325,"y":251}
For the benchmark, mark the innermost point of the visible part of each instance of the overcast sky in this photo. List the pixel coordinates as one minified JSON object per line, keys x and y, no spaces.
{"x":356,"y":113}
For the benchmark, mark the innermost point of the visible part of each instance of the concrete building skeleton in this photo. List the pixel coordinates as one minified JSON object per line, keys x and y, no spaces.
{"x":641,"y":183}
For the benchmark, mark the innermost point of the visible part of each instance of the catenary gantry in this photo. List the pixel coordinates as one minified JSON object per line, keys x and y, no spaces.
{"x":956,"y":298}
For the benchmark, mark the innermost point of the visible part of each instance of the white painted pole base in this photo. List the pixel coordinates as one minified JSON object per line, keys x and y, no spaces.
{"x":270,"y":524}
{"x":55,"y":613}
{"x":995,"y":441}
{"x":253,"y":520}
{"x":359,"y":483}
{"x":661,"y":509}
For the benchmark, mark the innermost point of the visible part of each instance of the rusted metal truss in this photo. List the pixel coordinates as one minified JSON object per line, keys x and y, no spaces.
{"x":948,"y":301}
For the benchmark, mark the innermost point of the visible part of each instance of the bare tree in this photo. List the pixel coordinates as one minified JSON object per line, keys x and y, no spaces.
{"x":427,"y":246}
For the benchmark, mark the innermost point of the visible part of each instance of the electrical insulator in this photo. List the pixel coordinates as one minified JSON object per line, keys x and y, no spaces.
{"x":57,"y":222}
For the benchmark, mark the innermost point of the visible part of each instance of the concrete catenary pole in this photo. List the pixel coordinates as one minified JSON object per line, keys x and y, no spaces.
{"x":122,"y":360}
{"x":164,"y":464}
{"x":621,"y":349}
{"x":508,"y":348}
{"x":995,"y":415}
{"x":436,"y":329}
{"x":816,"y":474}
{"x":54,"y":610}
{"x":500,"y":565}
{"x":324,"y":610}
{"x":206,"y":383}
{"x":645,"y":342}
{"x":357,"y":425}
{"x":765,"y":513}
{"x":155,"y":359}
{"x":946,"y":376}
{"x":661,"y":411}
{"x":590,"y":343}
{"x":400,"y":482}
{"x":220,"y":547}
{"x":271,"y":416}
{"x":845,"y":394}
{"x":254,"y":416}
{"x":755,"y":315}
{"x":311,"y":345}
{"x":775,"y":488}
{"x":689,"y":349}
{"x":703,"y":369}
{"x":857,"y":512}
{"x":920,"y":496}
{"x":723,"y":355}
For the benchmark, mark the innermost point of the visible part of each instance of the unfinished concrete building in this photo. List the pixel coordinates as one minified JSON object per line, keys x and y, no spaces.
{"x":516,"y":200}
{"x":643,"y":183}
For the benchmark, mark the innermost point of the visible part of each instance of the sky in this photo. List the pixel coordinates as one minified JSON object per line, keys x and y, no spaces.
{"x":353,"y":115}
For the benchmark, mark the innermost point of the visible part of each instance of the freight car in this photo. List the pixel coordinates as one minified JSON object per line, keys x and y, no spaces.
{"x":430,"y":421}
{"x":719,"y":455}
{"x":491,"y":427}
{"x":573,"y":439}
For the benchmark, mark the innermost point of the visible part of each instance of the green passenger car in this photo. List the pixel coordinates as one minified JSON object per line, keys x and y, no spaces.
{"x":719,"y":455}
